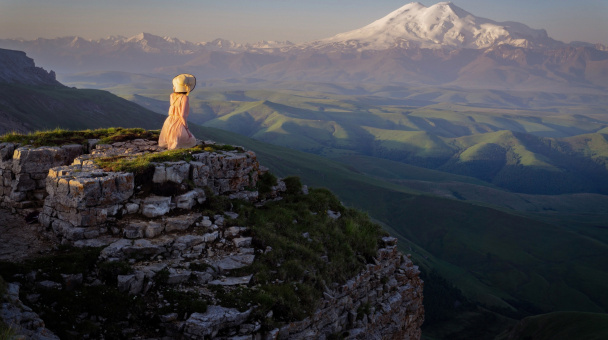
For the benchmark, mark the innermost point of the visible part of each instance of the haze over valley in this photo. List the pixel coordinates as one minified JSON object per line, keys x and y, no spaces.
{"x":482,"y":145}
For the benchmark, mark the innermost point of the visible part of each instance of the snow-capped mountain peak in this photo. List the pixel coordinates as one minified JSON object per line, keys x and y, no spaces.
{"x":443,"y":25}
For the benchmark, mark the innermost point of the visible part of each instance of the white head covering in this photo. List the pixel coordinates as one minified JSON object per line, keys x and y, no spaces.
{"x":184,"y":83}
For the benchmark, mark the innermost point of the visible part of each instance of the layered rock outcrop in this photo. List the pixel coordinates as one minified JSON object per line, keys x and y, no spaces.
{"x":24,"y":169}
{"x":154,"y":223}
{"x":382,"y":302}
{"x":84,"y":201}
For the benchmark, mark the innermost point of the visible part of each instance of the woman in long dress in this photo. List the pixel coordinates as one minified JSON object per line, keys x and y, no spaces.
{"x":175,"y":133}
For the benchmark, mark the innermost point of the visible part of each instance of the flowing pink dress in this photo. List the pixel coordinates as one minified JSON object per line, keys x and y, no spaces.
{"x":175,"y":133}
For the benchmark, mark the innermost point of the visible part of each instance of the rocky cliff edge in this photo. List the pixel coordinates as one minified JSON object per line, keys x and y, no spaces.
{"x":184,"y":242}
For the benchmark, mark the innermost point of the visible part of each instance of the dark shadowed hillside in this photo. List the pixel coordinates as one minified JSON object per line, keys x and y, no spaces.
{"x":32,"y":99}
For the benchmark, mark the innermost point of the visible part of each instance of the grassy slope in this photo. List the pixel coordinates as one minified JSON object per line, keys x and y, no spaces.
{"x":50,"y":107}
{"x":419,"y":96}
{"x":514,"y":160}
{"x":466,"y":140}
{"x":561,"y":326}
{"x":493,"y":256}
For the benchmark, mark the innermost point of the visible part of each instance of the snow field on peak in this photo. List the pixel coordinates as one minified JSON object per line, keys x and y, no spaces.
{"x":438,"y":26}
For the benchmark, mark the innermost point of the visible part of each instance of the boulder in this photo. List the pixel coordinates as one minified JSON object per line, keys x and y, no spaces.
{"x":232,"y":281}
{"x":155,"y":206}
{"x":231,"y":262}
{"x":189,"y":199}
{"x":242,"y":242}
{"x":208,"y":324}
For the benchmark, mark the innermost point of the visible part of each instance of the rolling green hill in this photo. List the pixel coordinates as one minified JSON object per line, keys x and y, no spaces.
{"x":535,"y":143}
{"x":508,"y":148}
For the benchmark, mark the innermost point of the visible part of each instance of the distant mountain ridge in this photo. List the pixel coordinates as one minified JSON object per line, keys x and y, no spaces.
{"x":440,"y":45}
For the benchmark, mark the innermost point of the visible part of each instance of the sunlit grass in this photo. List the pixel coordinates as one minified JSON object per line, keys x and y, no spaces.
{"x":58,"y":137}
{"x":139,"y":164}
{"x":309,"y":251}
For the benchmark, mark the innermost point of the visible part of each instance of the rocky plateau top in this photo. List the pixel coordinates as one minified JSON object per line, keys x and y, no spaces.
{"x":156,"y":240}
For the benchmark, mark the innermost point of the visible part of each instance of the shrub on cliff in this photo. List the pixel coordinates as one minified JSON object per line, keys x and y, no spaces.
{"x":304,"y":251}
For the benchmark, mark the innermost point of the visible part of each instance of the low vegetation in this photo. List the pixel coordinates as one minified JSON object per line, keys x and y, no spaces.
{"x":140,"y":164}
{"x":63,"y":310}
{"x":59,"y":137}
{"x":6,"y":333}
{"x":303,"y":251}
{"x":137,"y":165}
{"x":49,"y":107}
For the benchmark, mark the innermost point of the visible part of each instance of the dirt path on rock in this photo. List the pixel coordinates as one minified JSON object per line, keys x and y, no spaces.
{"x":20,"y":240}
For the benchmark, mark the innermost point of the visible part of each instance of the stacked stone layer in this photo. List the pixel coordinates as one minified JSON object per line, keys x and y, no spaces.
{"x":390,"y":290}
{"x":23,"y":171}
{"x":84,"y":202}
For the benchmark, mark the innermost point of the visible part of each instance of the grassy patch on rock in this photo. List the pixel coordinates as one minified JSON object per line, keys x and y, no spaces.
{"x":301,"y":252}
{"x":182,"y":303}
{"x":141,"y":163}
{"x":59,"y":137}
{"x":65,"y":260}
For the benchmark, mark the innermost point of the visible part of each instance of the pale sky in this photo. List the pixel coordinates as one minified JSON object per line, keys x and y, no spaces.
{"x":256,"y":20}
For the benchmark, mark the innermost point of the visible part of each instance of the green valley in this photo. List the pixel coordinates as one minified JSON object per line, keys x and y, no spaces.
{"x":553,"y":144}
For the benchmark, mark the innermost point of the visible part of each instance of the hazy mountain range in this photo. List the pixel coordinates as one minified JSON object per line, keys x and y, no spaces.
{"x":415,"y":45}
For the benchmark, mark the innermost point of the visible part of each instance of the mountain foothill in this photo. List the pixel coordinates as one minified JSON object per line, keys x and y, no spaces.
{"x":481,"y":145}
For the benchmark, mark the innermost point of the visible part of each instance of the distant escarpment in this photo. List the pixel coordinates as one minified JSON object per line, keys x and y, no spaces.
{"x":16,"y":67}
{"x":31,"y":99}
{"x":195,"y":244}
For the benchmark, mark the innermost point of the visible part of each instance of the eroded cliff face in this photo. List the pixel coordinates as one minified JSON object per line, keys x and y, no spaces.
{"x":17,"y":68}
{"x":152,"y":228}
{"x":384,"y":301}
